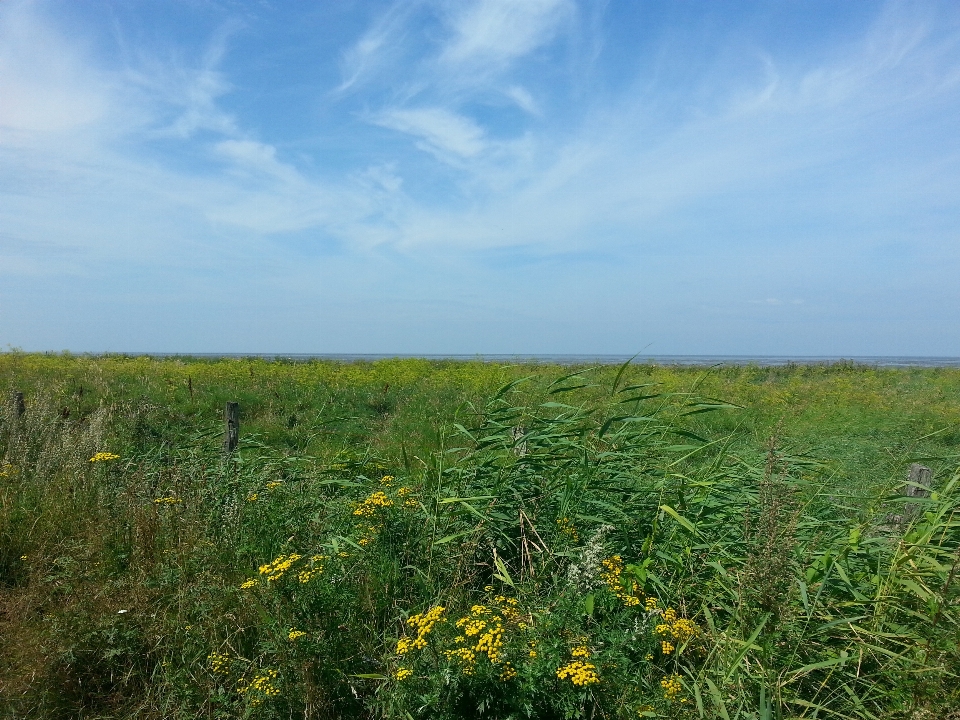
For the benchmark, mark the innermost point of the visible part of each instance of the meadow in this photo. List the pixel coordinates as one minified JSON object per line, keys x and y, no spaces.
{"x":438,"y":539}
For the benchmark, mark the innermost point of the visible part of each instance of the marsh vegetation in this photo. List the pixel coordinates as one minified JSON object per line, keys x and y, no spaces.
{"x":413,"y":539}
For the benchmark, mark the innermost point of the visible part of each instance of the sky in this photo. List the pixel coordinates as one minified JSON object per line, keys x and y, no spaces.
{"x":480,"y":177}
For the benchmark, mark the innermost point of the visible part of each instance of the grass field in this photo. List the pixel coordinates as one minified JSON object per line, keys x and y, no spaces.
{"x":416,"y":539}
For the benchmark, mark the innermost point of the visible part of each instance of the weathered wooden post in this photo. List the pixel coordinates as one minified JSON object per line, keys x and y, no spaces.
{"x":231,"y":426}
{"x":919,"y":479}
{"x":19,"y":406}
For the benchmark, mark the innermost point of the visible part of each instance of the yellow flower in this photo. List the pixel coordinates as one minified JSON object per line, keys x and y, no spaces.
{"x":273,"y":484}
{"x":104,"y":457}
{"x":249,"y":584}
{"x":252,"y":497}
{"x":296,"y":634}
{"x":666,"y":647}
{"x":671,"y":686}
{"x":167,"y":500}
{"x":275,"y":570}
{"x":403,"y":673}
{"x":370,"y":506}
{"x":424,"y":623}
{"x":579,"y":673}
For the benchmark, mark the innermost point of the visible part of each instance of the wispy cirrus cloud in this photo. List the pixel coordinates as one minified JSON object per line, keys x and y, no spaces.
{"x":441,"y":131}
{"x":488,"y":35}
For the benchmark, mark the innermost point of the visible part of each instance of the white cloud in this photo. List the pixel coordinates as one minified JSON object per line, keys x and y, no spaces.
{"x":523,"y":99}
{"x":442,"y":131}
{"x":496,"y":32}
{"x":377,"y":46}
{"x":45,"y":84}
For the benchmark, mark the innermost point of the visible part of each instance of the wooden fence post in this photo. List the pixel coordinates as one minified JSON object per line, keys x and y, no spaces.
{"x":919,"y":479}
{"x":19,"y":406}
{"x":231,"y":426}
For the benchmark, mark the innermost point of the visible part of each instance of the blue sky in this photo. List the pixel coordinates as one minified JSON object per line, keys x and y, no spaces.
{"x":480,"y":176}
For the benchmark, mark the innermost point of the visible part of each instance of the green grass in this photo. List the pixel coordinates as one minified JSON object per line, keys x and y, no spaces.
{"x":744,"y":515}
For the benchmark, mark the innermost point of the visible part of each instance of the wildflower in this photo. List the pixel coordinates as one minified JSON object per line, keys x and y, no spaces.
{"x":579,"y":673}
{"x":219,"y":663}
{"x":675,"y":628}
{"x":612,"y":569}
{"x":305,"y":576}
{"x":566,"y":528}
{"x":404,"y":491}
{"x":465,"y":656}
{"x":403,"y":645}
{"x":424,"y":623}
{"x":403,"y":673}
{"x":295,"y":634}
{"x":650,"y":604}
{"x":261,"y":687}
{"x":167,"y":500}
{"x":104,"y":457}
{"x":671,"y":686}
{"x":23,"y":557}
{"x":252,"y":497}
{"x":273,"y":484}
{"x":508,"y":672}
{"x":370,"y":506}
{"x":275,"y":570}
{"x":580,"y":652}
{"x":387,"y":481}
{"x":246,"y":585}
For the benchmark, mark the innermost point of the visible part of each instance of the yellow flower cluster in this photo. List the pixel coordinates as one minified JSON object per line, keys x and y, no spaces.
{"x":403,"y":673}
{"x":305,"y":576}
{"x":252,"y":497}
{"x":409,"y":502}
{"x":295,"y":634}
{"x":466,"y":656}
{"x":580,"y":673}
{"x":566,"y":528}
{"x":262,"y":686}
{"x":104,"y":457}
{"x":612,"y":569}
{"x":7,"y":469}
{"x":167,"y":500}
{"x":219,"y":663}
{"x":671,"y":686}
{"x":650,"y":604}
{"x":581,"y":651}
{"x":247,"y":584}
{"x":275,"y":570}
{"x":387,"y":480}
{"x":273,"y":484}
{"x":369,"y":507}
{"x":486,"y":626}
{"x":676,"y":629}
{"x":508,"y":672}
{"x":424,"y":622}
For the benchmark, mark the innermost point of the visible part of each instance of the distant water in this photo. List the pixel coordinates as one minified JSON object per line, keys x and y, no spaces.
{"x":893,"y":361}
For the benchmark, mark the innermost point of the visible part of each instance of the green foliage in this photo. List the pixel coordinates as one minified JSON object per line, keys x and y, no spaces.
{"x":445,"y":540}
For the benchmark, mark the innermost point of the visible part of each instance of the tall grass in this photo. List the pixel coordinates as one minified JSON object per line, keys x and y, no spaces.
{"x":569,"y":545}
